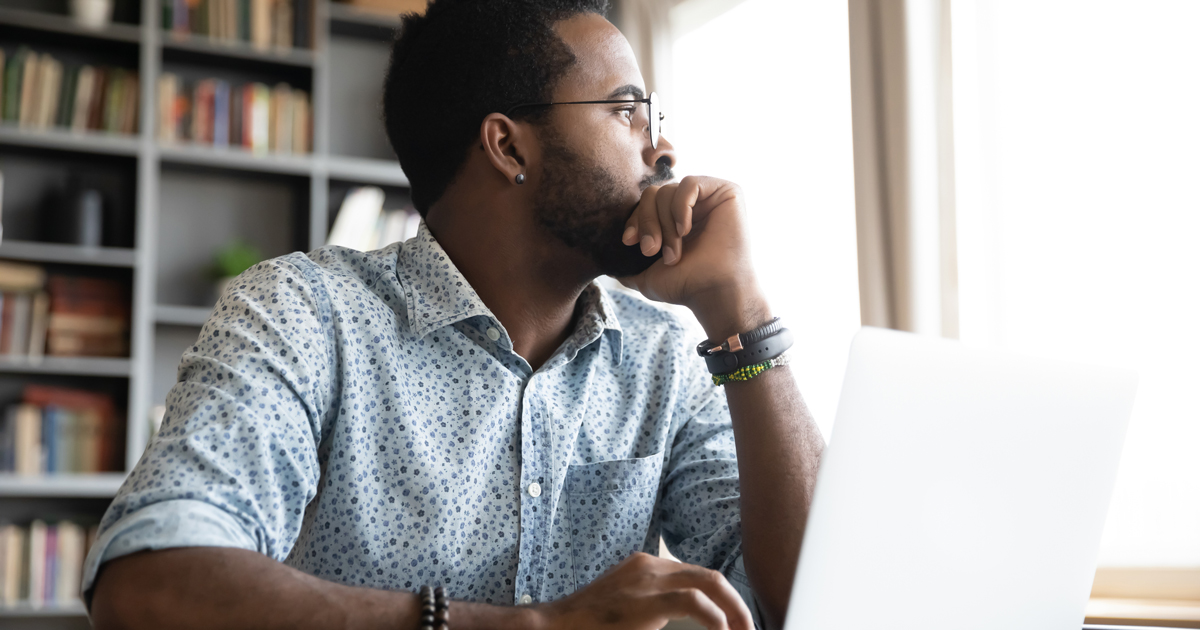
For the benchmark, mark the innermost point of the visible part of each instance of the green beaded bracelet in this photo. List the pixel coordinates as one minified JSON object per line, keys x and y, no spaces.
{"x":750,"y":371}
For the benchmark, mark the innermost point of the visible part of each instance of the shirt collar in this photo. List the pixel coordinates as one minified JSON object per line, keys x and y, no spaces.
{"x":438,"y":295}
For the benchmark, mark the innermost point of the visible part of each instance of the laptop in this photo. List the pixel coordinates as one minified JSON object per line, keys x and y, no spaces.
{"x":961,"y":489}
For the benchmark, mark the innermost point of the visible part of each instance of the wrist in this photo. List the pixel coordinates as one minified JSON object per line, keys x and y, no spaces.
{"x":730,"y":311}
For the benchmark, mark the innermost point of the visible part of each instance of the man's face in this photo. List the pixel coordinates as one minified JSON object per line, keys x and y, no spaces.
{"x":597,"y":159}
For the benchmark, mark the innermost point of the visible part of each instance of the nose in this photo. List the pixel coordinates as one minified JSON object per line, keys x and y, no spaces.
{"x":665,"y":151}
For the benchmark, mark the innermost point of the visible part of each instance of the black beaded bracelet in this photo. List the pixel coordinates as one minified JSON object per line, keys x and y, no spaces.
{"x":435,"y":608}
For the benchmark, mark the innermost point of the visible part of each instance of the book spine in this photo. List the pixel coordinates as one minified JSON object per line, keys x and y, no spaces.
{"x":37,"y":563}
{"x":221,"y":114}
{"x":50,"y":576}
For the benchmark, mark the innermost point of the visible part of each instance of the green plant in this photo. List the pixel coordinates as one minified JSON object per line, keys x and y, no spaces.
{"x":234,"y":258}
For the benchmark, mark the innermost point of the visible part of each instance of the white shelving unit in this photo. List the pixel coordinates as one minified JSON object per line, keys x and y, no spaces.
{"x":184,"y":200}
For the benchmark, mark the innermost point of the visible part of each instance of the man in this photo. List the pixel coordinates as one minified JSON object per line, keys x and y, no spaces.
{"x":470,"y":409}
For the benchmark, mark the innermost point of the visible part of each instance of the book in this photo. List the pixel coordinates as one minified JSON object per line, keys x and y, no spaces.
{"x":260,"y":114}
{"x":22,"y":313}
{"x":85,"y":86}
{"x":49,"y":83}
{"x":50,"y":570}
{"x":13,"y":80}
{"x":21,"y":277}
{"x":70,"y":561}
{"x":37,"y":563}
{"x":279,"y":135}
{"x":260,"y":24}
{"x":301,"y":119}
{"x":14,"y":543}
{"x":29,"y":89}
{"x":97,"y":432}
{"x":8,"y":439}
{"x":28,"y":442}
{"x":66,"y":99}
{"x":87,"y":317}
{"x":38,"y":325}
{"x":220,"y":114}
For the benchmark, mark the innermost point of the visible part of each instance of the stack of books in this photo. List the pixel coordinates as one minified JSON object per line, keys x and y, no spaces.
{"x":364,"y":224}
{"x":42,"y":563}
{"x":87,"y":317}
{"x":60,"y":430}
{"x":249,"y":115}
{"x":24,"y":310}
{"x":263,"y":24}
{"x":39,"y":92}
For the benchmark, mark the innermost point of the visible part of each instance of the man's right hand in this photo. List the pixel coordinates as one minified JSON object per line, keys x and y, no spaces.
{"x":644,"y":592}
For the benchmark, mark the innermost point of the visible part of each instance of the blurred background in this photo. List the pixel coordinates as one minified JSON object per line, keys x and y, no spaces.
{"x":1015,"y":174}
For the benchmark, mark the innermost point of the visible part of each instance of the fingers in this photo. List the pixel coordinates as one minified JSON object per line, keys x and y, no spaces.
{"x":672,"y":241}
{"x":718,"y":590}
{"x":694,"y":603}
{"x":657,"y":221}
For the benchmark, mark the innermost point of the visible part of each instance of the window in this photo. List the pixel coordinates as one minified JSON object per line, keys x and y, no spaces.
{"x":1078,"y":210}
{"x":766,"y":103}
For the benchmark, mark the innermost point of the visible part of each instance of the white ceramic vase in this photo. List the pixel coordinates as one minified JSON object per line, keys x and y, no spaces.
{"x":95,"y":14}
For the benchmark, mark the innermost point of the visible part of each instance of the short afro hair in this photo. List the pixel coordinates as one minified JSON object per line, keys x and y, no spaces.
{"x":459,"y":62}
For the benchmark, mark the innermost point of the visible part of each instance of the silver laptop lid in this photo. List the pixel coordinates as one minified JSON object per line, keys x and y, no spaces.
{"x":961,"y":488}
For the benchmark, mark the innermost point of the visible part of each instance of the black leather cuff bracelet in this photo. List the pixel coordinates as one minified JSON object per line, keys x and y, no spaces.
{"x":765,"y":342}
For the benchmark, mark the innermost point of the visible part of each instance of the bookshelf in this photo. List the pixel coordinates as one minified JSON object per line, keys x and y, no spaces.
{"x":178,"y":202}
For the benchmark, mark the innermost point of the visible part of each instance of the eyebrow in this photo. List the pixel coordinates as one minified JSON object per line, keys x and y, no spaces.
{"x":627,"y":90}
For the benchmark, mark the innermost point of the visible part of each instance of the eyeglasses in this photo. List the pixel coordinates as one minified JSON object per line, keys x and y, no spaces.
{"x":654,"y":117}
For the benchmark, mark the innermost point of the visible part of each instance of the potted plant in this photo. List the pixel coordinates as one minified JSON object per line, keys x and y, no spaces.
{"x":230,"y":261}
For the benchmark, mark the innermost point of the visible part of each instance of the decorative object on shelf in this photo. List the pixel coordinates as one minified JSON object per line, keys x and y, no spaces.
{"x":362,"y":222}
{"x":157,"y":413}
{"x":39,"y":93}
{"x":249,"y":115}
{"x":230,"y":261}
{"x":79,"y":220}
{"x":41,"y":563}
{"x":263,"y":24}
{"x":390,"y":8}
{"x":93,"y":14}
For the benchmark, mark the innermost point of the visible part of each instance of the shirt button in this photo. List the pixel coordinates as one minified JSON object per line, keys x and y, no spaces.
{"x":525,"y":599}
{"x":493,"y":334}
{"x":535,"y":489}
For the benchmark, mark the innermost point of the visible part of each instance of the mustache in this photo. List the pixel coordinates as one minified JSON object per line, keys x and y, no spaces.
{"x":662,"y":174}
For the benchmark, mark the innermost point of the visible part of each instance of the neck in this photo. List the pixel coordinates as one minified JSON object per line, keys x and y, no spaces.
{"x":530,"y":282}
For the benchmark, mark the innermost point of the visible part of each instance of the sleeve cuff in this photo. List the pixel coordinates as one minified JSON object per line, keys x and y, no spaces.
{"x":736,"y":574}
{"x":163,"y":525}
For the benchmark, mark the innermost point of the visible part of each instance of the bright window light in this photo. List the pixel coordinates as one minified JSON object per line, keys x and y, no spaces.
{"x":761,"y":97}
{"x":1077,"y":124}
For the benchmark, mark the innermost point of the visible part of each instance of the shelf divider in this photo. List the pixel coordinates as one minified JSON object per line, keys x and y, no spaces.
{"x":82,"y":485}
{"x":182,"y":315}
{"x":68,"y":254}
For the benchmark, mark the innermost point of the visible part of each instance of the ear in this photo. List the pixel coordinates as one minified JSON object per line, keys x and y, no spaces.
{"x":507,"y":145}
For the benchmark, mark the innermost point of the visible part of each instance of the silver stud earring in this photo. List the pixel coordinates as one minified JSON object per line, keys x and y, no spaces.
{"x":520,"y":178}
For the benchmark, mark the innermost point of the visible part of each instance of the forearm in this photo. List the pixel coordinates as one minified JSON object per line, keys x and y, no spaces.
{"x":228,"y":588}
{"x":778,"y":450}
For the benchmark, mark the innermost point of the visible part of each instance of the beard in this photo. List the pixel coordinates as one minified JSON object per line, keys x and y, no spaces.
{"x":585,"y":206}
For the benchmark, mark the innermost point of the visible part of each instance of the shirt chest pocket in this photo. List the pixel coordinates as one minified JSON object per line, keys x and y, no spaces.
{"x":609,"y":505}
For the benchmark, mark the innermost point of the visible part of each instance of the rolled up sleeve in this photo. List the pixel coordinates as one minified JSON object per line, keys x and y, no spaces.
{"x":701,"y":515}
{"x":235,"y":462}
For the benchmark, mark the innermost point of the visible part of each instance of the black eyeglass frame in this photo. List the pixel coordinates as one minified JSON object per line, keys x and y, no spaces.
{"x":651,"y":102}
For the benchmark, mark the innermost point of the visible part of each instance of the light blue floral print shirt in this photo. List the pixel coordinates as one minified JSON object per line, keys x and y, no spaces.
{"x":362,"y":417}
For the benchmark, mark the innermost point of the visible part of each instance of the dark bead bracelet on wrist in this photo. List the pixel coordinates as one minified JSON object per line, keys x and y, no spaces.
{"x":435,"y":608}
